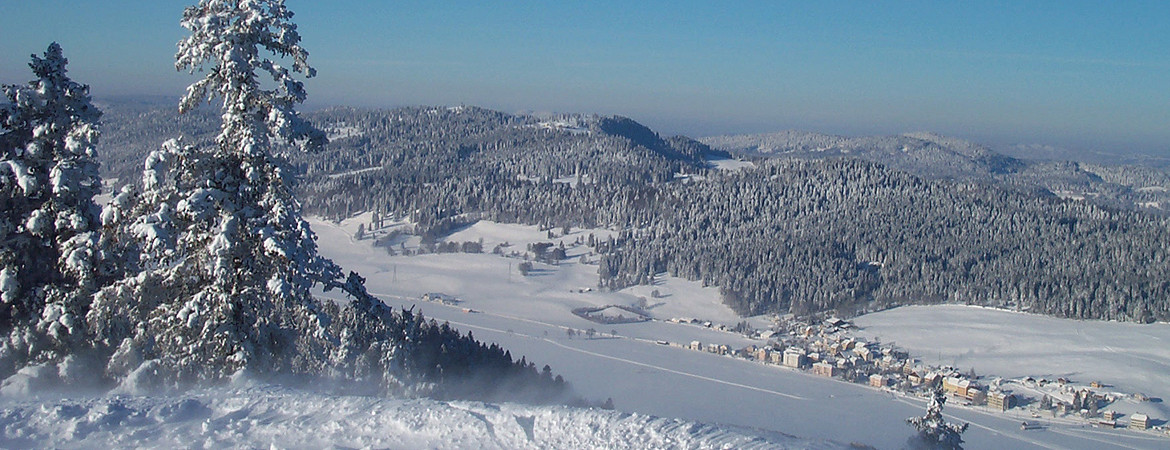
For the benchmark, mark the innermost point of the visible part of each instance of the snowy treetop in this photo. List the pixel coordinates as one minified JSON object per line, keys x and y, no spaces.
{"x":227,"y":35}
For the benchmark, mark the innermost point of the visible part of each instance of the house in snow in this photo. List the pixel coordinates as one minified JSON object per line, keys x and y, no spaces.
{"x":824,"y":369}
{"x":864,"y":353}
{"x":1102,"y":423}
{"x":1139,"y":422}
{"x":976,"y":395}
{"x":793,"y":357}
{"x":956,"y":386}
{"x":1001,"y":401}
{"x":930,"y":379}
{"x":877,"y":381}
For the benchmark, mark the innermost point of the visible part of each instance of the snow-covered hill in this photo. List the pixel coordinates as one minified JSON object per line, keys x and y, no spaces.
{"x":922,"y":153}
{"x":794,"y":141}
{"x":276,"y":417}
{"x":1100,"y":179}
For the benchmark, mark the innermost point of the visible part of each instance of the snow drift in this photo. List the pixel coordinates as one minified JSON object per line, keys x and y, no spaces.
{"x":267,"y":416}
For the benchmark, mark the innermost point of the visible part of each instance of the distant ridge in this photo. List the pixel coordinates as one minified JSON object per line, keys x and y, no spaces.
{"x":922,"y":153}
{"x":1132,"y":183}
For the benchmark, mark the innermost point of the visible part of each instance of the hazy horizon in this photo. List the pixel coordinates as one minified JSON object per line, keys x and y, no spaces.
{"x":1077,"y":75}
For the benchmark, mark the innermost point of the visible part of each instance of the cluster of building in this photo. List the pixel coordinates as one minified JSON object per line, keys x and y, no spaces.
{"x":823,"y":348}
{"x":826,"y":348}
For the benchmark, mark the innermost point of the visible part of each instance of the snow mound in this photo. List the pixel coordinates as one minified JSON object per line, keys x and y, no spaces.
{"x":276,"y":417}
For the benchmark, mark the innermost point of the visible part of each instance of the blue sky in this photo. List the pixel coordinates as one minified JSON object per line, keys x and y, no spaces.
{"x":1084,"y":75}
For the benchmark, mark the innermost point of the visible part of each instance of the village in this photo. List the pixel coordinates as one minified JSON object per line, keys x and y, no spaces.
{"x":826,"y":347}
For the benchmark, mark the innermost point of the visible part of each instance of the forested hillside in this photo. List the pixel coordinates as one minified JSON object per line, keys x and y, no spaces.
{"x":807,"y":236}
{"x":1145,"y":187}
{"x":790,"y":235}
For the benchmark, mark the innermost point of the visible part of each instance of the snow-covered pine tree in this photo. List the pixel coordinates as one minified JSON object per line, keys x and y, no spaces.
{"x":49,"y":224}
{"x":226,"y":263}
{"x":933,"y":429}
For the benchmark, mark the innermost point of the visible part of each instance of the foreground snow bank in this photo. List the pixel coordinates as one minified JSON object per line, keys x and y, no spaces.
{"x":285,"y":418}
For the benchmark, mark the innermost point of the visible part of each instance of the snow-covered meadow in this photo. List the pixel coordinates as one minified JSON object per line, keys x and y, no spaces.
{"x":729,"y":164}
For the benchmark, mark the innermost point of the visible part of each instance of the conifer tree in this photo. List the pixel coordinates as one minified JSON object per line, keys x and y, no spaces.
{"x":933,"y":429}
{"x":226,"y":261}
{"x":49,"y":224}
{"x":226,"y":264}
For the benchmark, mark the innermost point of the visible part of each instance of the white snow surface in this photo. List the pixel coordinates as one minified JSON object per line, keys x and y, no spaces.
{"x":353,"y":172}
{"x":256,"y":416}
{"x":729,"y":164}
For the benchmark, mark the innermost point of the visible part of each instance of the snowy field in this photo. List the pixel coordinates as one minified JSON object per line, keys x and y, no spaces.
{"x":1125,"y":357}
{"x":531,"y":315}
{"x":273,"y":417}
{"x":728,"y":163}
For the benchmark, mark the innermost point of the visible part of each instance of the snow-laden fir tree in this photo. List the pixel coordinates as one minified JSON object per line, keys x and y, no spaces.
{"x":49,"y":226}
{"x":933,"y":429}
{"x":226,"y":263}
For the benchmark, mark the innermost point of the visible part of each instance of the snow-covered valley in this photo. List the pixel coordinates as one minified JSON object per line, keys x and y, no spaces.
{"x":531,"y":315}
